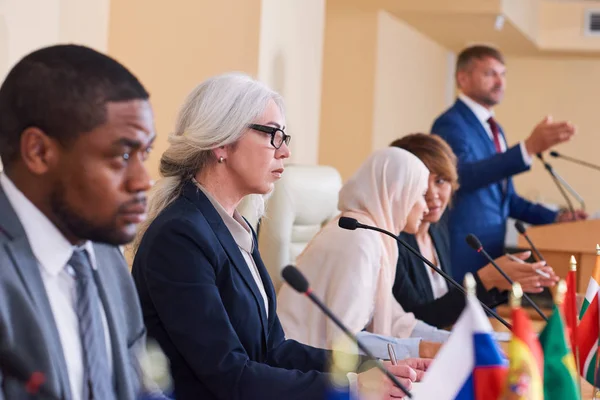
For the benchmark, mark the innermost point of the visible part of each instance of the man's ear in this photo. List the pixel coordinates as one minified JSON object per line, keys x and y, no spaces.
{"x":462,"y":78}
{"x":39,"y":152}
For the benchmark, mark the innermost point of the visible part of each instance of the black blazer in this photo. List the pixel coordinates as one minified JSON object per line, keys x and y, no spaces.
{"x":412,"y":288}
{"x":203,"y":307}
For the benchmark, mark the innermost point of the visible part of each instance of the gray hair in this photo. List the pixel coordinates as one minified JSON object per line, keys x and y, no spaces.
{"x":216,"y":113}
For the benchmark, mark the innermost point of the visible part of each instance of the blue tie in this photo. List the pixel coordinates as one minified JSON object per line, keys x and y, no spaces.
{"x":97,"y":379}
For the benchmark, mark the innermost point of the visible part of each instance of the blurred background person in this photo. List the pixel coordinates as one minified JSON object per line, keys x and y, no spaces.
{"x":487,"y":197}
{"x":421,"y":290}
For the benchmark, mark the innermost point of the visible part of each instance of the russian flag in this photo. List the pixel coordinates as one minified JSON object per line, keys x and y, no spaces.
{"x":470,"y":365}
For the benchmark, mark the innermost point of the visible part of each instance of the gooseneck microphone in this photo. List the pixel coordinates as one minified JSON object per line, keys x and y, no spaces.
{"x":476,"y":245}
{"x":559,"y":181}
{"x":521,"y":229}
{"x":556,"y":154}
{"x":353,"y":224}
{"x":298,"y":282}
{"x":565,"y":184}
{"x":17,"y":368}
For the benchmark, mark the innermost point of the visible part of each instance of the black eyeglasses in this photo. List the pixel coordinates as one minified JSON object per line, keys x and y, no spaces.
{"x":278,"y":136}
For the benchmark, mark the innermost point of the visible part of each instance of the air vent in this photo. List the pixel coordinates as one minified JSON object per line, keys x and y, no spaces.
{"x":592,"y":23}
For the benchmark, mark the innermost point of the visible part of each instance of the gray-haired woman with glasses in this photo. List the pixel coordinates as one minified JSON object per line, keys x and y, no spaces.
{"x":205,"y":293}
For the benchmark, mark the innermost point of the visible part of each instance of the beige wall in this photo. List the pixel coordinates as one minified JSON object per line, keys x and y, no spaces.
{"x":348,"y":85}
{"x":174,"y":48}
{"x":290,"y":61}
{"x":20,"y":16}
{"x":565,"y":89}
{"x":381,"y":79}
{"x":85,"y":21}
{"x":413,"y":81}
{"x":26,"y":25}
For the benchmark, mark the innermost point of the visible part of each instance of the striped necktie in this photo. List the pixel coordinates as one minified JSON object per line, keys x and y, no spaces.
{"x":97,"y":379}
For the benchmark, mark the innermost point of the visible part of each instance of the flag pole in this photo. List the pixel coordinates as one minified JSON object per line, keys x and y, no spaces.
{"x":596,"y":392}
{"x":576,"y":340}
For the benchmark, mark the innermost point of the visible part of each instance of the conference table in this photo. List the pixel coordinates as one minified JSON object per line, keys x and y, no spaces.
{"x":587,"y":390}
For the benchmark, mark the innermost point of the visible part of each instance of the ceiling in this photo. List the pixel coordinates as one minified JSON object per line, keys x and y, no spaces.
{"x":459,"y":23}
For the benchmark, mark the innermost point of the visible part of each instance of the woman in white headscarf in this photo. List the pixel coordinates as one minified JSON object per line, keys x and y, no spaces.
{"x":353,"y":271}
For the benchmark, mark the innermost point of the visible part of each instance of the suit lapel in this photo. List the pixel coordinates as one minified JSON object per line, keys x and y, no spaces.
{"x":482,"y":134}
{"x":27,"y":268}
{"x":106,"y":281}
{"x":192,"y":193}
{"x":420,"y":270}
{"x":442,"y":253}
{"x":484,"y":139}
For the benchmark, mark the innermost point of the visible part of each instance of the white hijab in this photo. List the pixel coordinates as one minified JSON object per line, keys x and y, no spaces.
{"x":354,"y":271}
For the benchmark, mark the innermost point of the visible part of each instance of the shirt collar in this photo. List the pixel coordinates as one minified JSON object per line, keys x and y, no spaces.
{"x":482,"y":113}
{"x":236,"y":225}
{"x":51,"y":249}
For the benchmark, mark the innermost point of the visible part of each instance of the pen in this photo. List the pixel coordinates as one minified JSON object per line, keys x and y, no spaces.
{"x":539,"y":272}
{"x":392,"y":354}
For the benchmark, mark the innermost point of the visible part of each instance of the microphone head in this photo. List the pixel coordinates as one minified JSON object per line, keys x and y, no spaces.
{"x":555,"y":153}
{"x":348,"y":223}
{"x":520,"y":227}
{"x":295,"y":279}
{"x":473,"y":242}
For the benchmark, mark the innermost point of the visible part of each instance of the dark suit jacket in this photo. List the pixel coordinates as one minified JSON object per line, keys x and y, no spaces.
{"x":412,"y":288}
{"x":27,"y":325}
{"x":202,"y":305}
{"x":482,"y":204}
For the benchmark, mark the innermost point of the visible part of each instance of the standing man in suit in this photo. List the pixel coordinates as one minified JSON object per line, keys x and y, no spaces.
{"x":75,"y":129}
{"x":486,"y":164}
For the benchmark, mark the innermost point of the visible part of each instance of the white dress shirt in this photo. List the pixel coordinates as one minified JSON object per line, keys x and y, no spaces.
{"x":242,"y":234}
{"x":52,"y":251}
{"x":483,"y":114}
{"x":439,"y":286}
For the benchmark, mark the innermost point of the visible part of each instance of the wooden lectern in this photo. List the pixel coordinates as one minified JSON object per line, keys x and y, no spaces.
{"x":557,"y":242}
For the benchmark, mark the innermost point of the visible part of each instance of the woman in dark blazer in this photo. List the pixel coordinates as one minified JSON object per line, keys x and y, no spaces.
{"x":423,"y":291}
{"x":205,"y":294}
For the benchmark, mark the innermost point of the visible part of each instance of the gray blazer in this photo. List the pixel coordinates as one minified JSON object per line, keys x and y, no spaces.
{"x":27,"y":325}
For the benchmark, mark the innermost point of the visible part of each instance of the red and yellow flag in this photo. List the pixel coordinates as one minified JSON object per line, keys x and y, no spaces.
{"x":526,"y":360}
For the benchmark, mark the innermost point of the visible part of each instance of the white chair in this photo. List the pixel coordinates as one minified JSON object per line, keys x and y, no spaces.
{"x":304,"y":199}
